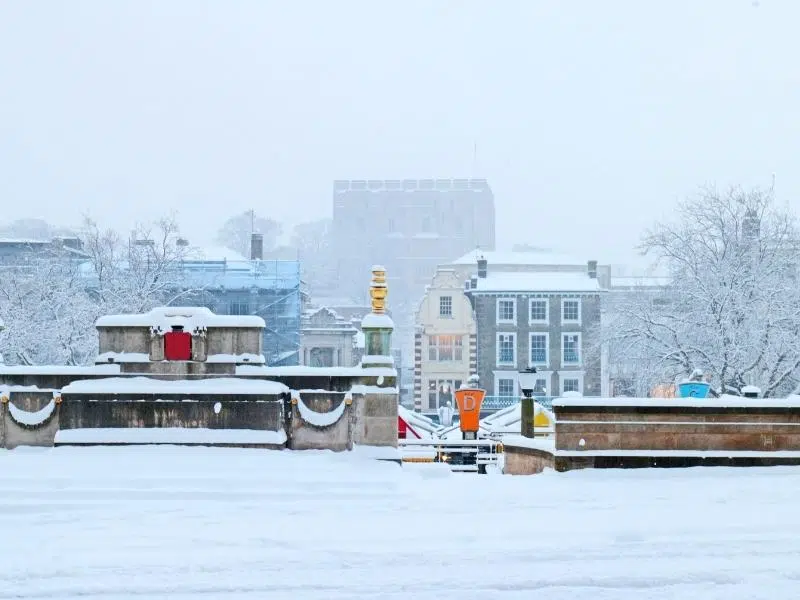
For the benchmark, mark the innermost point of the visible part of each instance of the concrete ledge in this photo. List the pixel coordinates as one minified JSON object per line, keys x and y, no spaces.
{"x":528,"y":456}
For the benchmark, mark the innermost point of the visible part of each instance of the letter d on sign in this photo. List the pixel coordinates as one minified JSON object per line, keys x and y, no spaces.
{"x":469,"y":402}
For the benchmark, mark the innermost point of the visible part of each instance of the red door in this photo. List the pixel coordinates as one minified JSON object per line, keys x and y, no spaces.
{"x":178,"y":345}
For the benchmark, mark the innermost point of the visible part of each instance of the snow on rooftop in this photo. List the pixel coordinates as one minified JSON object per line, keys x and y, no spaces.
{"x":189,"y":317}
{"x":499,"y":257}
{"x":639,"y":281}
{"x":214,"y":253}
{"x":146,"y":385}
{"x":537,"y":282}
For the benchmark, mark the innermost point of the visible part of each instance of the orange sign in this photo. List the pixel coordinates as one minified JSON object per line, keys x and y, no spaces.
{"x":469,"y":407}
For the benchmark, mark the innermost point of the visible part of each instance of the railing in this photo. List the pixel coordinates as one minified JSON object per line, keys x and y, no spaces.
{"x":494,"y":403}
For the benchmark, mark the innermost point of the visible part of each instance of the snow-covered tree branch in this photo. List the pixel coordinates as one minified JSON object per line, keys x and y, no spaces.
{"x":50,"y":302}
{"x":733,"y":308}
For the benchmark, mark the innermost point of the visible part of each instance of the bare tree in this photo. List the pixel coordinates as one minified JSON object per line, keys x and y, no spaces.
{"x":733,"y":308}
{"x":50,"y":302}
{"x":235,"y":232}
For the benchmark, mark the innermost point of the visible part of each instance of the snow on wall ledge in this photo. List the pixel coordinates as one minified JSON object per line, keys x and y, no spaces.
{"x":305,"y":371}
{"x":169,"y":435}
{"x":104,"y":369}
{"x":318,"y":419}
{"x":190,"y":317}
{"x":146,"y":385}
{"x":32,"y":419}
{"x":721,"y":402}
{"x":375,"y":321}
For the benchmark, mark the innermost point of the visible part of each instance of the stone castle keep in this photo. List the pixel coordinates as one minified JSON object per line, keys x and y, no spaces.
{"x":184,"y":375}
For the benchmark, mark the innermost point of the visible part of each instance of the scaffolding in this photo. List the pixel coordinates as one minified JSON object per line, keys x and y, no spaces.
{"x":270,"y":289}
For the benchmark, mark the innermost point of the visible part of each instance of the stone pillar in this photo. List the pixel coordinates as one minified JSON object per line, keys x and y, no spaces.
{"x":377,"y":326}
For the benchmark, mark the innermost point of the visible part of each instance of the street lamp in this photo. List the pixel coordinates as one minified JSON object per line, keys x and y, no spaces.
{"x":527,"y":383}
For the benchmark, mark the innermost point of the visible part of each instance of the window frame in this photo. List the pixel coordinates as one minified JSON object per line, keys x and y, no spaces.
{"x":579,"y":362}
{"x":546,"y":335}
{"x":442,"y":303}
{"x":513,"y":362}
{"x":565,"y":375}
{"x":580,"y":311}
{"x":546,"y":320}
{"x":513,"y":387}
{"x":513,"y":320}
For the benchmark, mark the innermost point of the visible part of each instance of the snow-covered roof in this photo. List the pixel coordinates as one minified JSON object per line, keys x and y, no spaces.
{"x":212,"y":253}
{"x":190,"y":317}
{"x":421,"y":424}
{"x":518,"y":258}
{"x":639,"y":281}
{"x":146,"y":385}
{"x":537,"y":282}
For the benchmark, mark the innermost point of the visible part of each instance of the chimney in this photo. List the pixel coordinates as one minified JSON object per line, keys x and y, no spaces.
{"x":592,"y":269}
{"x":483,"y":266}
{"x":256,"y":246}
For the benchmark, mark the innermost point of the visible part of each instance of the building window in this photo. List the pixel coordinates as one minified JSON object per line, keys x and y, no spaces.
{"x":239,"y":307}
{"x":441,"y":391}
{"x":505,"y":387}
{"x":443,"y":348}
{"x":539,"y":343}
{"x":570,"y":384}
{"x":445,"y":306}
{"x":321,"y":357}
{"x":506,"y":310}
{"x":506,"y":349}
{"x":571,"y":348}
{"x":426,"y":225}
{"x":538,"y":311}
{"x":571,"y":310}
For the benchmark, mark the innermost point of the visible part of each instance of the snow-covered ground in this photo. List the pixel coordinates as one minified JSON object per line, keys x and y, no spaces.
{"x":179,"y":523}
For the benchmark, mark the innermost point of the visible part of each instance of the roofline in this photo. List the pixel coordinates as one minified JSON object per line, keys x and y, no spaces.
{"x":511,"y":291}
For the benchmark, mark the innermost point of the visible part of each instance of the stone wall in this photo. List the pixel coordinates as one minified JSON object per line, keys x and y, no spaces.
{"x":520,"y":460}
{"x":234,"y":340}
{"x":42,"y":433}
{"x":179,"y":369}
{"x":217,"y":340}
{"x":264,"y":415}
{"x":602,"y":428}
{"x":124,"y":339}
{"x":367,"y":419}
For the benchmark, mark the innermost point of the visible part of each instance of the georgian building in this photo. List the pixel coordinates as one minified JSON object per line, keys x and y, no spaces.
{"x":542,"y":319}
{"x":444,"y":342}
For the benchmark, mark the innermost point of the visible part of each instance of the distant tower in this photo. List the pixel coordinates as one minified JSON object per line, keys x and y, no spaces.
{"x":377,"y":326}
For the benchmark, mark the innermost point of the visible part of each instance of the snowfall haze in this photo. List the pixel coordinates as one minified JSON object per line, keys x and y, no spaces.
{"x":592,"y":115}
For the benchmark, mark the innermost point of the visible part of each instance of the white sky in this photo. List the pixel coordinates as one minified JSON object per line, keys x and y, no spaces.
{"x":590,"y":117}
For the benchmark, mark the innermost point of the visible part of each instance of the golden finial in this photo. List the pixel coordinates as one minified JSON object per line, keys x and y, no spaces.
{"x":378,"y":290}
